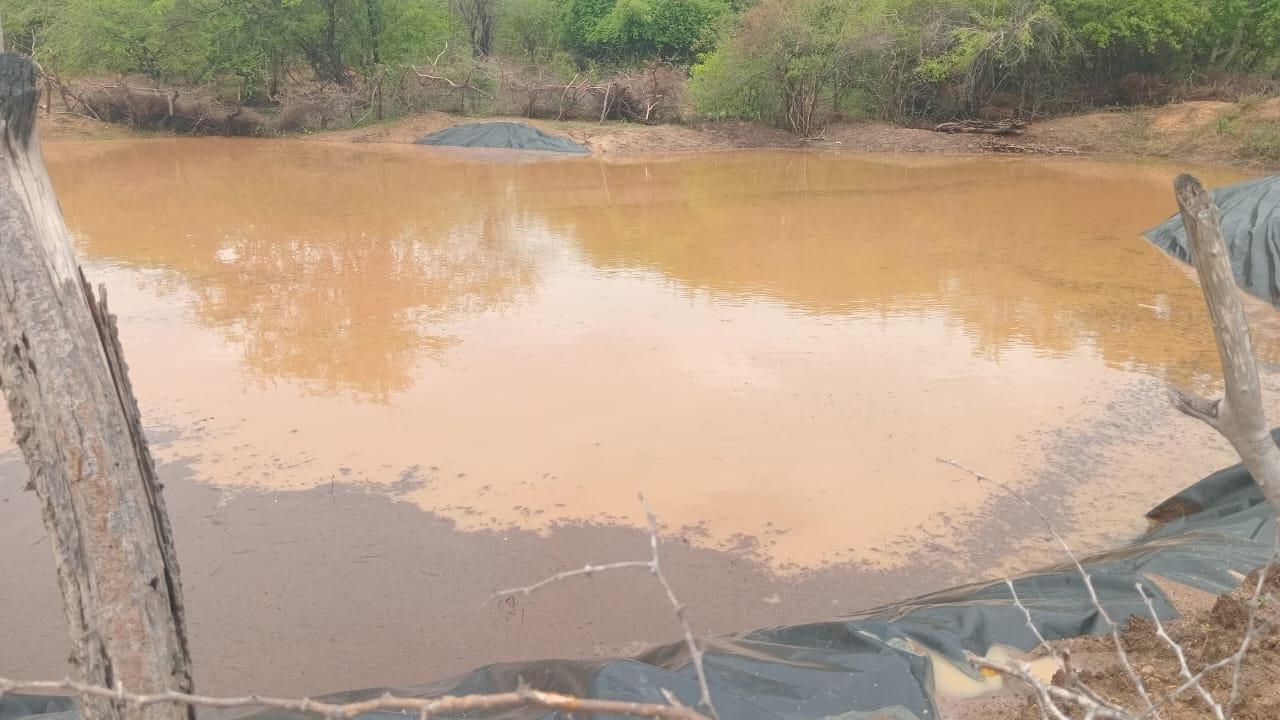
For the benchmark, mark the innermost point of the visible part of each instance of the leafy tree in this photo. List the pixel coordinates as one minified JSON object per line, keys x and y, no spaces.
{"x":1240,"y":35}
{"x":1012,"y":46}
{"x":532,"y":28}
{"x":779,"y":64}
{"x":582,"y":17}
{"x":142,"y":36}
{"x":1147,"y":25}
{"x":670,"y":29}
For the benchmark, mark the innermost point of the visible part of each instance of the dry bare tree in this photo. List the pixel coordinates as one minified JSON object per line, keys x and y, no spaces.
{"x":478,"y":17}
{"x":1239,"y":417}
{"x":77,"y":422}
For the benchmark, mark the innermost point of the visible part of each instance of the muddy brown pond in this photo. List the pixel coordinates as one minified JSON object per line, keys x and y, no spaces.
{"x":383,"y":381}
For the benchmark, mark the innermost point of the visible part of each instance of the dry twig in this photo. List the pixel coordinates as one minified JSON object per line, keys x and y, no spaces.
{"x":524,"y":696}
{"x":1111,"y":624}
{"x":1050,"y":697}
{"x":654,"y":566}
{"x":1180,"y":654}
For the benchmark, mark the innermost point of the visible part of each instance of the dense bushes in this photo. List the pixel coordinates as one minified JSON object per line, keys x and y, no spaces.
{"x":265,"y":42}
{"x":793,"y":63}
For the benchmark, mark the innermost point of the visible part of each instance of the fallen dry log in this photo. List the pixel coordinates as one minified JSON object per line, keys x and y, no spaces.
{"x":998,"y":146}
{"x":985,"y":127}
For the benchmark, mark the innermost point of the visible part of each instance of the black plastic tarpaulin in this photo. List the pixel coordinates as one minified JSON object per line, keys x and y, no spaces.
{"x":873,"y":664}
{"x":508,"y":135}
{"x":1251,"y":225}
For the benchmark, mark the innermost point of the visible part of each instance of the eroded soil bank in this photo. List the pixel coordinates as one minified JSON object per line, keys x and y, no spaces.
{"x":1211,"y":132}
{"x":385,"y":380}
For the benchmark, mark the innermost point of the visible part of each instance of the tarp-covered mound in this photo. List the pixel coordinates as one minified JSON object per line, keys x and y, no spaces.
{"x":508,"y":135}
{"x":1251,"y":226}
{"x":873,"y":664}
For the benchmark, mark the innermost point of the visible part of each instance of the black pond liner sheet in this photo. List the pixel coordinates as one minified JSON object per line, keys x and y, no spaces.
{"x":1250,"y":216}
{"x":853,"y":667}
{"x":503,"y":135}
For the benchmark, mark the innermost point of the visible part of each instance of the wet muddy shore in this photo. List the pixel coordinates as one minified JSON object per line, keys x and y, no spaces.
{"x":313,"y":591}
{"x":336,"y":587}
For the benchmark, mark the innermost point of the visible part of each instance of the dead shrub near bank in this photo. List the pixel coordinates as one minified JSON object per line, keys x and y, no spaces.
{"x":140,"y":104}
{"x":320,"y":106}
{"x":652,"y":94}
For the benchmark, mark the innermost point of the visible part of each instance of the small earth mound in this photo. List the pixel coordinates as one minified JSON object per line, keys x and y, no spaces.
{"x":507,"y":135}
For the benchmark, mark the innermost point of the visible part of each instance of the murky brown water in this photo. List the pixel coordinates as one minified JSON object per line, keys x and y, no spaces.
{"x":773,"y":347}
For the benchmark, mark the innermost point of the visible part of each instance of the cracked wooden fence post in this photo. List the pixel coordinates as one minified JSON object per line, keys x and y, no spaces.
{"x":1238,"y":415}
{"x":76,"y":420}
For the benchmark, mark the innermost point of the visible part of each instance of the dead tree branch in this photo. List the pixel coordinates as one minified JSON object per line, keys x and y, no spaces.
{"x":1001,"y":146}
{"x":1054,"y":701}
{"x":1046,"y":693}
{"x":983,"y":127}
{"x":1087,"y":702}
{"x":425,"y":707}
{"x":654,"y":566}
{"x":435,"y":75}
{"x":1112,"y":626}
{"x":523,"y":696}
{"x":1183,"y":668}
{"x":1061,"y":657}
{"x":1238,"y":415}
{"x":76,"y":419}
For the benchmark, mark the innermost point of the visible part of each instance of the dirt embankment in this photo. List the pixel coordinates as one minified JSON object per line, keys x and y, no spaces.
{"x":611,"y":138}
{"x":66,"y":126}
{"x":1239,"y":133}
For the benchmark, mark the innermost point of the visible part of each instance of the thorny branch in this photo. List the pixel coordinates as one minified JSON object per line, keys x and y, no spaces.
{"x":1046,"y":692}
{"x":1178,"y":653}
{"x":1255,"y":601}
{"x":654,"y":566}
{"x":1063,"y":658}
{"x":1240,"y":418}
{"x":524,"y":696}
{"x":1111,"y":624}
{"x":587,"y":569}
{"x":1051,"y":698}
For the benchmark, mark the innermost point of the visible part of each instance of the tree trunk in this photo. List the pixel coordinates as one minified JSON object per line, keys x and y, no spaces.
{"x":374,"y":17}
{"x":77,"y":422}
{"x":1238,"y":415}
{"x":331,"y":58}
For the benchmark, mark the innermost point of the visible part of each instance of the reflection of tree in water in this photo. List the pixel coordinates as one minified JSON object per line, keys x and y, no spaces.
{"x":337,"y":271}
{"x":331,"y":265}
{"x":359,"y":315}
{"x":1034,"y":254}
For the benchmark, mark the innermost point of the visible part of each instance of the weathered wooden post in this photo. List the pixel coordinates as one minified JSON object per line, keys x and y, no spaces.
{"x":1238,"y":415}
{"x":76,"y":420}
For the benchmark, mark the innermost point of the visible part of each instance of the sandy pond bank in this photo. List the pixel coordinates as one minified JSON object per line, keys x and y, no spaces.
{"x":1200,"y":132}
{"x":1213,"y":132}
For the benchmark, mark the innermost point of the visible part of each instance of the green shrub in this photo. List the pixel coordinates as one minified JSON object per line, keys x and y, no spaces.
{"x":1261,"y":141}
